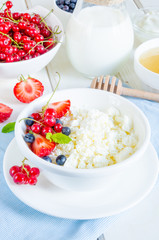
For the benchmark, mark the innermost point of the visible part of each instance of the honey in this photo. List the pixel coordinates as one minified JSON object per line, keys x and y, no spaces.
{"x":150,"y":60}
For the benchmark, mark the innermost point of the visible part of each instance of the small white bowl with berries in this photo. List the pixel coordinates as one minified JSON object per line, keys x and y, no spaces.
{"x":28,"y":40}
{"x":46,"y":138}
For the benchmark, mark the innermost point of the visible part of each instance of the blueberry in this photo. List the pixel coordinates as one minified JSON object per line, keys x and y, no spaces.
{"x":59,"y":121}
{"x":72,"y":5}
{"x":66,"y":131}
{"x":73,"y":1}
{"x":61,"y":6}
{"x":29,"y":138}
{"x":67,"y":2}
{"x":60,"y":160}
{"x":58,"y":2}
{"x":66,"y":8}
{"x":29,"y":122}
{"x":47,"y":158}
{"x":71,"y":10}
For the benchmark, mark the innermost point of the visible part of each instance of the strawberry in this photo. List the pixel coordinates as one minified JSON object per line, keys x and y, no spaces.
{"x":61,"y":107}
{"x":5,"y":112}
{"x":28,"y":89}
{"x":41,"y":146}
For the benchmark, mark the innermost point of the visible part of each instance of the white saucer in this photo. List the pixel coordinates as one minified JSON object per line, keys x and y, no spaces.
{"x":124,"y":192}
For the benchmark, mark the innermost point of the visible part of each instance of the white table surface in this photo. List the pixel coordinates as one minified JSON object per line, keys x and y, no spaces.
{"x":140,"y":222}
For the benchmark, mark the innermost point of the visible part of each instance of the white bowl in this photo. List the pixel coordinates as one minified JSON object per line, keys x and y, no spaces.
{"x":25,"y":67}
{"x":148,"y":77}
{"x":85,"y":179}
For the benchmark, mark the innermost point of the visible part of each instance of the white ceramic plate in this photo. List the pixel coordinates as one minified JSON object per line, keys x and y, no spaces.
{"x":124,"y":192}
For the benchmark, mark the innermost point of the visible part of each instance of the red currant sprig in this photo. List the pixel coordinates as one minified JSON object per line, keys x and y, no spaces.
{"x":24,"y":174}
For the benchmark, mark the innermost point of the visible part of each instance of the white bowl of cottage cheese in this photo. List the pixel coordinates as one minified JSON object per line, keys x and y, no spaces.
{"x":108,"y":135}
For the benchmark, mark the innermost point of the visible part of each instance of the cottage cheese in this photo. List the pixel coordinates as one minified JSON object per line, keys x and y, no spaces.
{"x":99,"y":139}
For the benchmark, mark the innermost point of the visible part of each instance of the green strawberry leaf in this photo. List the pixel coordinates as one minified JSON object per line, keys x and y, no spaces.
{"x":58,"y":138}
{"x":8,"y":127}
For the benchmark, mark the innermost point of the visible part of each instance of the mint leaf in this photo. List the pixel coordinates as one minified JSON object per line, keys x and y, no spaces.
{"x":49,"y":136}
{"x":8,"y":127}
{"x":58,"y":138}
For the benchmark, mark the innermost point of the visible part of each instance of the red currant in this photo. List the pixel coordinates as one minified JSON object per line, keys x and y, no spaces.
{"x":1,"y":20}
{"x":36,"y":20}
{"x":4,"y":28}
{"x":39,"y":38}
{"x":50,"y":43}
{"x":8,"y":50}
{"x":7,"y":13}
{"x":46,"y":130}
{"x":21,"y":53}
{"x":41,"y":25}
{"x":2,"y":56}
{"x":40,"y":49}
{"x":36,"y":54}
{"x":34,"y":172}
{"x":15,"y":49}
{"x":15,"y":28}
{"x":36,"y":128}
{"x":16,"y":15}
{"x":25,"y":39}
{"x":22,"y":25}
{"x":49,"y":121}
{"x":26,"y":166}
{"x":16,"y":58}
{"x":50,"y":111}
{"x":27,"y":57}
{"x":32,"y":180}
{"x":36,"y":116}
{"x":58,"y":127}
{"x":17,"y":36}
{"x":19,"y":178}
{"x":26,"y":16}
{"x":9,"y":4}
{"x":9,"y":59}
{"x":45,"y":32}
{"x":14,"y":170}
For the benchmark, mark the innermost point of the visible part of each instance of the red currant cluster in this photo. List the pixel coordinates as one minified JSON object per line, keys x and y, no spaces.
{"x":24,"y":36}
{"x":47,"y":124}
{"x":24,"y":174}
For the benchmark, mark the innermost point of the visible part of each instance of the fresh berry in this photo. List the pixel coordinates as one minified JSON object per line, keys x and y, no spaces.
{"x":19,"y":178}
{"x":29,"y":121}
{"x":28,"y":90}
{"x":5,"y":112}
{"x":66,"y":131}
{"x":47,"y":158}
{"x":34,"y":172}
{"x":9,"y":4}
{"x":50,"y":111}
{"x":58,"y":127}
{"x":24,"y":169}
{"x":61,"y":107}
{"x":36,"y":116}
{"x":32,"y":180}
{"x":49,"y":121}
{"x":59,"y":121}
{"x":41,"y":146}
{"x":46,"y":130}
{"x":61,"y":159}
{"x":36,"y":128}
{"x":14,"y":170}
{"x":50,"y":43}
{"x":29,"y":138}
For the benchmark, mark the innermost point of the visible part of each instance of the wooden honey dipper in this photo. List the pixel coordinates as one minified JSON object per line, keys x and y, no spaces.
{"x":114,"y":85}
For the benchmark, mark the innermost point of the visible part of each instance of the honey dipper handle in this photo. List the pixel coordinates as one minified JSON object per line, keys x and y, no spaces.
{"x":140,"y":94}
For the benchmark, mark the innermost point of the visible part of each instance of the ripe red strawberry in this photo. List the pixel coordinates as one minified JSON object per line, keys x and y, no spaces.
{"x":5,"y":112}
{"x":61,"y":107}
{"x":41,"y":146}
{"x":28,"y":90}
